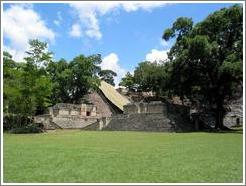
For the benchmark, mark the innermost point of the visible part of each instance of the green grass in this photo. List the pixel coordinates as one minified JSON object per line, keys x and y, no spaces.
{"x":117,"y":157}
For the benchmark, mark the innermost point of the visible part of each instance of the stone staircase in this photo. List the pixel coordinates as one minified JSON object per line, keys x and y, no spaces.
{"x":140,"y":122}
{"x":71,"y":122}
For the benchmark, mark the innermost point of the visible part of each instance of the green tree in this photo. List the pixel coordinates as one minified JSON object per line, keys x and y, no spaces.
{"x":61,"y":77}
{"x":71,"y":81}
{"x":108,"y":76}
{"x":38,"y":53}
{"x":35,"y":83}
{"x":207,"y":59}
{"x":84,"y":72}
{"x":11,"y":84}
{"x":128,"y":81}
{"x":151,"y":77}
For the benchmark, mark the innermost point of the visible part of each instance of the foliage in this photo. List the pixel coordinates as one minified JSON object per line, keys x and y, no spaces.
{"x":71,"y":81}
{"x":151,"y":77}
{"x":182,"y":26}
{"x":38,"y":82}
{"x":30,"y":128}
{"x":11,"y":89}
{"x":11,"y":121}
{"x":107,"y":76}
{"x":18,"y":124}
{"x":207,"y":59}
{"x":60,"y":75}
{"x":36,"y":85}
{"x":128,"y":81}
{"x":84,"y":70}
{"x":38,"y":54}
{"x":27,"y":86}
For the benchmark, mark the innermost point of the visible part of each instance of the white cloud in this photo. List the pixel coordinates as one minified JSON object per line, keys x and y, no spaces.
{"x":57,"y":22}
{"x":75,"y":31}
{"x":88,"y":13}
{"x":157,"y":56}
{"x":20,"y":24}
{"x":148,"y":6}
{"x":111,"y":62}
{"x":17,"y":55}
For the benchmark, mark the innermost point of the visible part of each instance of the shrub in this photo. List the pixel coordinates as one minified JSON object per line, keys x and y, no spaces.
{"x":11,"y":121}
{"x":19,"y":124}
{"x":31,"y":128}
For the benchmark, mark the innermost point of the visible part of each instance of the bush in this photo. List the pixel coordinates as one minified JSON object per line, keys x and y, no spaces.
{"x":11,"y":121}
{"x":31,"y":128}
{"x":20,"y":124}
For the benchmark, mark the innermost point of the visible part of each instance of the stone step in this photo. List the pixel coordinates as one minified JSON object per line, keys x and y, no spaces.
{"x":68,"y":123}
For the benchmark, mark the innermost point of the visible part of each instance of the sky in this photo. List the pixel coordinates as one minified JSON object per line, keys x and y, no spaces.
{"x":125,"y":34}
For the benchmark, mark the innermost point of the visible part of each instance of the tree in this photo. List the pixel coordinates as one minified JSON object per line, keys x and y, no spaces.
{"x":71,"y":81}
{"x":84,"y":76}
{"x":30,"y":87}
{"x":38,"y":54}
{"x":11,"y":90}
{"x":207,"y":59}
{"x":108,"y":76}
{"x":60,"y":75}
{"x":26,"y":85}
{"x":151,"y":77}
{"x":128,"y":81}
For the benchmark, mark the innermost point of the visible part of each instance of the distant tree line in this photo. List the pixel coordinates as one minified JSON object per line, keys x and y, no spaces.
{"x":205,"y":65}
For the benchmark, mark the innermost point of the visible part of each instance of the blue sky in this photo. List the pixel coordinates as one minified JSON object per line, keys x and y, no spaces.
{"x":124,"y":34}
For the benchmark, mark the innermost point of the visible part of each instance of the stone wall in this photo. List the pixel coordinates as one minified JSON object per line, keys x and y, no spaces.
{"x":73,"y":122}
{"x":235,"y":116}
{"x":103,"y":109}
{"x":68,"y":116}
{"x":143,"y":107}
{"x":65,"y":109}
{"x":64,"y":122}
{"x":153,"y":116}
{"x":156,"y":116}
{"x":46,"y":120}
{"x":139,"y":122}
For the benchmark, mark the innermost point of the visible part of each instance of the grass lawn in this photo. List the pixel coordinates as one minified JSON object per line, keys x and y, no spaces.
{"x":90,"y":156}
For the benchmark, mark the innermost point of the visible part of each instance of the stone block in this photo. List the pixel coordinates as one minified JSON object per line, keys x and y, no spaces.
{"x":155,"y":107}
{"x":130,"y":109}
{"x":64,"y":112}
{"x":75,"y":113}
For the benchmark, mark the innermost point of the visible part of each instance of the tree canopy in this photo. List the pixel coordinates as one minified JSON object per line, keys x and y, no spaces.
{"x":27,"y":86}
{"x":207,"y":59}
{"x":205,"y":64}
{"x":128,"y":81}
{"x":107,"y":76}
{"x":39,"y":81}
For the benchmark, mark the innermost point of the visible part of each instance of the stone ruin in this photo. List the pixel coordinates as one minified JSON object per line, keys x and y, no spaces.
{"x":140,"y":116}
{"x":143,"y":107}
{"x":100,"y":113}
{"x":64,"y":115}
{"x":63,"y":109}
{"x":152,"y":116}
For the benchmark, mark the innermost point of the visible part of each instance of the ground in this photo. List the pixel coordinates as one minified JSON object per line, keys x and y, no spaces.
{"x":87,"y":156}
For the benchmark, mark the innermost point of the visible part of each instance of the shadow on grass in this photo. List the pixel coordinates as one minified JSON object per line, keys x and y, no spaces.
{"x":219,"y":131}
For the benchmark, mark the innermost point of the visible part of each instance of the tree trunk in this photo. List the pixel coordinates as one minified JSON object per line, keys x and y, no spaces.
{"x":219,"y":116}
